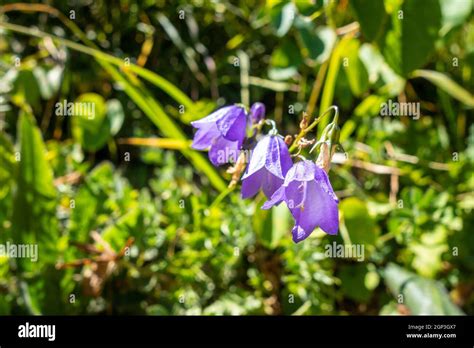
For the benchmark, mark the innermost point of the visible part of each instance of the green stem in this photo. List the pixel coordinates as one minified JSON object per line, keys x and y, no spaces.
{"x":312,"y":125}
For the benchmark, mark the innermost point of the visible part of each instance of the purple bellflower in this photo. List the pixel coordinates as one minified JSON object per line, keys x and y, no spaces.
{"x":310,"y":198}
{"x":257,"y":112}
{"x":269,"y":163}
{"x":222,"y":132}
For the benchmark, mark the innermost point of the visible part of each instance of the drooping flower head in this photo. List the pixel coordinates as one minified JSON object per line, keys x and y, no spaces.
{"x":222,"y":132}
{"x":269,"y":163}
{"x":310,"y":198}
{"x":257,"y":112}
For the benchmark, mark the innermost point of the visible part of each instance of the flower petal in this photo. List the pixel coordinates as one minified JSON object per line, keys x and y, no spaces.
{"x":295,"y":194}
{"x":301,"y":171}
{"x":278,"y":160}
{"x":270,"y":183}
{"x":223,"y":151}
{"x":205,"y":136}
{"x":319,"y":209}
{"x":257,"y":112}
{"x":323,"y":180}
{"x":232,"y":124}
{"x":212,"y":118}
{"x":299,"y":233}
{"x":257,"y":158}
{"x":251,"y":184}
{"x":276,"y":199}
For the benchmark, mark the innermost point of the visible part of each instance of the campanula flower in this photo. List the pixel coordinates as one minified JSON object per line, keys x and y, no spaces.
{"x":257,"y":112}
{"x":269,"y":163}
{"x":310,"y":198}
{"x":222,"y":132}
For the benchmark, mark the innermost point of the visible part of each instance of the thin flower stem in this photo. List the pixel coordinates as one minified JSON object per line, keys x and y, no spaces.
{"x":244,"y":77}
{"x":221,"y":196}
{"x":316,"y":90}
{"x":312,"y":125}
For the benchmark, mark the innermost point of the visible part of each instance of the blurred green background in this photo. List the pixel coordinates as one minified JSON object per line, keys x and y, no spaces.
{"x":129,"y":220}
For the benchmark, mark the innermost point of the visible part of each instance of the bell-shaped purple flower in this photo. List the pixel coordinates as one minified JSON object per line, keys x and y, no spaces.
{"x":257,"y":112}
{"x":269,"y":163}
{"x":310,"y":198}
{"x":222,"y":132}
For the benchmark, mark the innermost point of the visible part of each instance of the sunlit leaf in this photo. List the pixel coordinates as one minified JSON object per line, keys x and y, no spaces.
{"x":408,"y":44}
{"x":422,"y":296}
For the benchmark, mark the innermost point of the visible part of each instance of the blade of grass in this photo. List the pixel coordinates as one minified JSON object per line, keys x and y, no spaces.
{"x":330,"y":83}
{"x":157,"y":80}
{"x":139,"y":95}
{"x":163,"y":143}
{"x":156,"y":114}
{"x":443,"y":82}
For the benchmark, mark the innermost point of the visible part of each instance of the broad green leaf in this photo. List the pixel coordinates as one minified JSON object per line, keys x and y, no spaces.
{"x":421,"y":295}
{"x":282,"y":16}
{"x":34,"y":213}
{"x":443,"y":82}
{"x":371,"y":16}
{"x":90,"y":124}
{"x":355,"y":69}
{"x":411,"y":38}
{"x":361,"y":225}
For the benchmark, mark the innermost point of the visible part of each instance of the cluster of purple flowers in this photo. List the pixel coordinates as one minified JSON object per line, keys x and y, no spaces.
{"x":303,"y":185}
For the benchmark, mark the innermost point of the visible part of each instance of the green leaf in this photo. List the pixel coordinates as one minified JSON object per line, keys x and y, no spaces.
{"x":282,"y":16}
{"x":412,"y":37}
{"x":139,"y":95}
{"x":34,"y":213}
{"x":309,"y":7}
{"x":361,"y":226}
{"x":379,"y":73}
{"x":26,"y":87}
{"x":272,"y":225}
{"x":371,"y":16}
{"x":443,"y":82}
{"x":115,"y":115}
{"x":90,"y":126}
{"x":353,"y":282}
{"x":8,"y":171}
{"x":285,"y":61}
{"x":318,"y":43}
{"x":422,"y":296}
{"x":330,"y":82}
{"x":157,"y":115}
{"x":454,"y":13}
{"x":355,"y":70}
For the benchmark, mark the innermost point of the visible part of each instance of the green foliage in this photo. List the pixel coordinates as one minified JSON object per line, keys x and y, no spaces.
{"x":407,"y":43}
{"x":423,"y":296}
{"x":130,"y":220}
